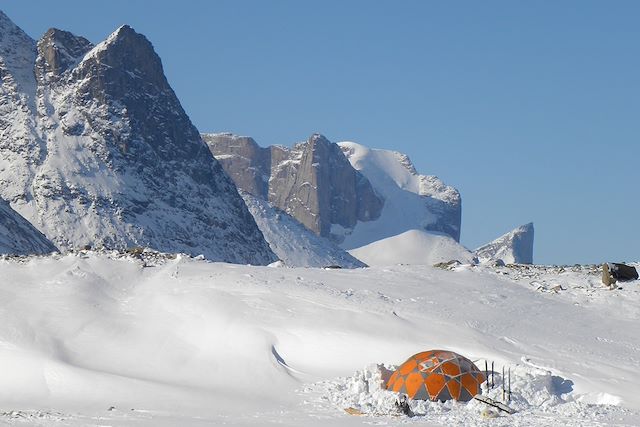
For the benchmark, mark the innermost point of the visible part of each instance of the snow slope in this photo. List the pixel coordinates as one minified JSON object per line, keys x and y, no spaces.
{"x":292,"y":242}
{"x":417,"y":247}
{"x":514,"y":247}
{"x":107,"y":339}
{"x":411,"y":201}
{"x":18,"y":236}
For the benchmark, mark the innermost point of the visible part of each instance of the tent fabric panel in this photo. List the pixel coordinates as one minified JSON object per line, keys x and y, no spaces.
{"x":413,"y":382}
{"x":408,"y":366}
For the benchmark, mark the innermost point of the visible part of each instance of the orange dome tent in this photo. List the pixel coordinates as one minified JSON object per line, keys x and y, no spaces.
{"x":437,"y":375}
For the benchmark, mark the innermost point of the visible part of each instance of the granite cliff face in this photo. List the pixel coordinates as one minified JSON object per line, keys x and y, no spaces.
{"x":313,"y":181}
{"x":18,"y":236}
{"x":515,"y":247}
{"x":95,"y":149}
{"x":347,"y":192}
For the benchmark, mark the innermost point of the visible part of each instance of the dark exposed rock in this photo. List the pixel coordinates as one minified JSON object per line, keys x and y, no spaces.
{"x":313,"y":181}
{"x":58,"y":51}
{"x":248,"y":164}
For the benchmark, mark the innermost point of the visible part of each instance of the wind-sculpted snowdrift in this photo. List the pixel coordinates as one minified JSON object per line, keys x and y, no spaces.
{"x":167,"y":340}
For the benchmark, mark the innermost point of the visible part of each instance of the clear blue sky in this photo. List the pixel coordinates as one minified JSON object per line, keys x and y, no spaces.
{"x":531,"y":109}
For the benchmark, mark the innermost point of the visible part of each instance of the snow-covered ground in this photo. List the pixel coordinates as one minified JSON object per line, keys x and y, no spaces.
{"x":115,"y":340}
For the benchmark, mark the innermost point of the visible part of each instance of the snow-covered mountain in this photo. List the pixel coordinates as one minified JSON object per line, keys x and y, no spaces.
{"x":95,"y":149}
{"x":514,"y":247}
{"x":413,"y":247}
{"x":292,"y":242}
{"x":411,"y":201}
{"x":18,"y":236}
{"x":347,"y":192}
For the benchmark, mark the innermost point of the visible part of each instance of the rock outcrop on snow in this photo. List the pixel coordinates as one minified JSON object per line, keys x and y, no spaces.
{"x":515,"y":247}
{"x":18,"y":236}
{"x":95,"y":149}
{"x":313,"y":181}
{"x":292,"y":242}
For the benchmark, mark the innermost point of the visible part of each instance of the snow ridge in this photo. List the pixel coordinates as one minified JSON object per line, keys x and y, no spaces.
{"x":411,"y":201}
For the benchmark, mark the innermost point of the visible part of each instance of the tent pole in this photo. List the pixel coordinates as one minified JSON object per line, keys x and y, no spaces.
{"x":509,"y":393}
{"x":503,"y":388}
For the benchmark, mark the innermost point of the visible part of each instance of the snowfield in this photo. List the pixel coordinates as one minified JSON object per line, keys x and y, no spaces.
{"x":147,"y":339}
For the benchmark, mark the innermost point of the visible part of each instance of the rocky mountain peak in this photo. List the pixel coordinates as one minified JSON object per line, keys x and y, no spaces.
{"x":10,"y":32}
{"x":106,"y":155}
{"x":317,"y":139}
{"x":60,"y":50}
{"x":17,"y":57}
{"x":125,"y":56}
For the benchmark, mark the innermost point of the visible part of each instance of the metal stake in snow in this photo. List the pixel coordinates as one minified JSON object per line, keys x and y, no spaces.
{"x":503,"y":387}
{"x":509,"y":392}
{"x":493,"y":382}
{"x":486,"y":371}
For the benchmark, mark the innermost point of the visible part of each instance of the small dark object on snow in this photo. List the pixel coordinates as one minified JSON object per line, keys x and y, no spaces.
{"x":614,"y":272}
{"x":403,"y":406}
{"x":623,"y":272}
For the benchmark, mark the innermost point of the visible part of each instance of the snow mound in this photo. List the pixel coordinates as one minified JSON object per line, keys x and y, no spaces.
{"x":416,"y":247}
{"x":515,"y":247}
{"x":292,"y":242}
